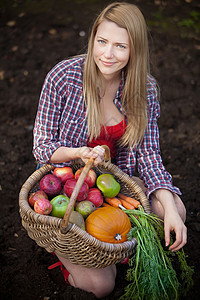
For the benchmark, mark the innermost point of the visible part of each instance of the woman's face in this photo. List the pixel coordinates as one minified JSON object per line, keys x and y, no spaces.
{"x":111,"y":49}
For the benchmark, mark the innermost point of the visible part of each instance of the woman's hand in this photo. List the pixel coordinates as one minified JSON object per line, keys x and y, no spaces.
{"x":170,"y":208}
{"x":64,"y":154}
{"x":98,"y":152}
{"x":173,"y":222}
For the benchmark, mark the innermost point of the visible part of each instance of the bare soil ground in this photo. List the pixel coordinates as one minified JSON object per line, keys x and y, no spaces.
{"x":34,"y":36}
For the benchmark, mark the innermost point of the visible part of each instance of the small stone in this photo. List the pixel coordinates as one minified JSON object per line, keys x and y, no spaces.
{"x":11,"y":23}
{"x":82,"y":33}
{"x":2,"y":74}
{"x":52,"y":31}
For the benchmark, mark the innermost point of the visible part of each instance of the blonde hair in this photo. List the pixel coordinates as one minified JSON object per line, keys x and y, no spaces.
{"x":134,"y":95}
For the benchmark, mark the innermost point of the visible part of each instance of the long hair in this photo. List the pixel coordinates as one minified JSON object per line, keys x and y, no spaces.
{"x":134,"y":95}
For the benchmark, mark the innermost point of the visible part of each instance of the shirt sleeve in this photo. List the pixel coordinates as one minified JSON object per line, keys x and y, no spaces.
{"x":150,"y":165}
{"x":46,"y":128}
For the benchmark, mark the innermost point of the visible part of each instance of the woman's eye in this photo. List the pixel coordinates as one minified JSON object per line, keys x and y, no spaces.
{"x":121,"y":46}
{"x":101,"y":41}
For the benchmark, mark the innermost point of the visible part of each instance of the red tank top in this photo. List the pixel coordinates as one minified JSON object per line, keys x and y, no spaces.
{"x":109,"y":137}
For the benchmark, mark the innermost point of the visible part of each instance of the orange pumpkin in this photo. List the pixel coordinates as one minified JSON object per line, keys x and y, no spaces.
{"x":108,"y":224}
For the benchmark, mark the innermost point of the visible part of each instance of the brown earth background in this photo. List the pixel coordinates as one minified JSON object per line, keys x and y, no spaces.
{"x":34,"y":36}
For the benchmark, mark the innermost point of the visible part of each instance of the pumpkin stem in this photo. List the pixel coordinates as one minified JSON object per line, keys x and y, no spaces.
{"x":118,"y":236}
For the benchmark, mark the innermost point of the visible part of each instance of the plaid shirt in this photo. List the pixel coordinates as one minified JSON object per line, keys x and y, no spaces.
{"x":61,"y":121}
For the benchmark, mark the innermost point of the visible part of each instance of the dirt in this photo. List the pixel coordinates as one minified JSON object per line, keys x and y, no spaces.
{"x":34,"y":36}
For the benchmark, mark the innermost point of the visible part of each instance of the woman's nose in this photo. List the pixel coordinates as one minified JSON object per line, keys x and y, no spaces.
{"x":108,"y":51}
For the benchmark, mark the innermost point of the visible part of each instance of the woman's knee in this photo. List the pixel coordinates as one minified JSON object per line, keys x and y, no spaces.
{"x":103,"y":287}
{"x":100,"y":282}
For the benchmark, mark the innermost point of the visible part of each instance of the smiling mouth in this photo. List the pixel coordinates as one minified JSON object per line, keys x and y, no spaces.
{"x":107,"y":63}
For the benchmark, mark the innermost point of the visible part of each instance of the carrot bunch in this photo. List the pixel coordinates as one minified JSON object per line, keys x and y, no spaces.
{"x":122,"y":201}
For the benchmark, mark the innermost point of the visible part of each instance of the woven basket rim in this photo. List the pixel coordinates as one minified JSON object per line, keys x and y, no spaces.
{"x":47,"y":219}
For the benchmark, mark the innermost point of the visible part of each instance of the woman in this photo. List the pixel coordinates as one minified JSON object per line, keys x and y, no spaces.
{"x":108,"y":97}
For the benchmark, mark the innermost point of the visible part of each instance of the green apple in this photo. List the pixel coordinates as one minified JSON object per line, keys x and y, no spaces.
{"x":108,"y":185}
{"x":59,"y":205}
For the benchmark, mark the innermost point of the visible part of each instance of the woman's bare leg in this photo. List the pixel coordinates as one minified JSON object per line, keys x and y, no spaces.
{"x":100,"y":282}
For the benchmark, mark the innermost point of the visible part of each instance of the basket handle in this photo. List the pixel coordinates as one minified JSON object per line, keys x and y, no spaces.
{"x":80,"y":181}
{"x":107,"y":157}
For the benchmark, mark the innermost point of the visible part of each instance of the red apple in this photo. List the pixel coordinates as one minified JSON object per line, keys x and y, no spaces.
{"x":95,"y":196}
{"x":50,"y":184}
{"x":43,"y":206}
{"x":69,"y":187}
{"x":36,"y":196}
{"x":90,"y":178}
{"x":63,"y":174}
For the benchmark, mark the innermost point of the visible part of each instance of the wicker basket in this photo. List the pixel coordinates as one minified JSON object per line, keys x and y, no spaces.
{"x":74,"y":243}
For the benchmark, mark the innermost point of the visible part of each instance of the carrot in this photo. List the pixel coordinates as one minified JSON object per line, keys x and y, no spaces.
{"x":130,"y":200}
{"x":127,"y":205}
{"x":113,"y":201}
{"x":105,"y":204}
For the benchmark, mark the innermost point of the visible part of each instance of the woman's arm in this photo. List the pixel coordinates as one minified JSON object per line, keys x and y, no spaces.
{"x":47,"y":122}
{"x":64,"y":154}
{"x":150,"y":164}
{"x":60,"y":120}
{"x":165,"y":201}
{"x":169,"y":207}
